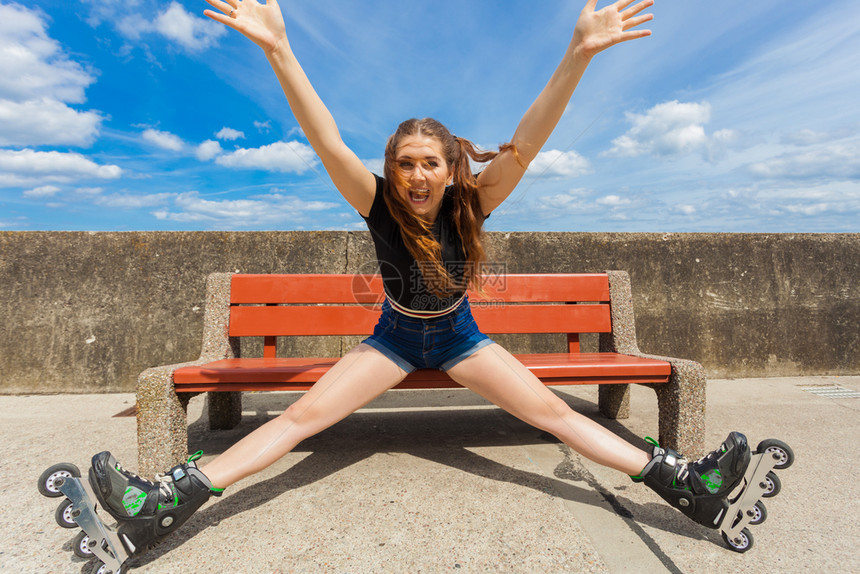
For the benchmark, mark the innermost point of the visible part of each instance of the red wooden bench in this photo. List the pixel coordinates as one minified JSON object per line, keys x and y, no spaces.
{"x":272,"y":306}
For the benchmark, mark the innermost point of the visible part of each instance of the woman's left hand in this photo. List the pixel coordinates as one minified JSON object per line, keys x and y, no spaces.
{"x":597,"y":30}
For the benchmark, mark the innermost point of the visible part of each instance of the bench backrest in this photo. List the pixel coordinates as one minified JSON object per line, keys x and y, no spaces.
{"x":272,"y":306}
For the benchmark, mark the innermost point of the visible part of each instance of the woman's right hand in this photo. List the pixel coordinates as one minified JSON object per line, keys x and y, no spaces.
{"x":263,"y":24}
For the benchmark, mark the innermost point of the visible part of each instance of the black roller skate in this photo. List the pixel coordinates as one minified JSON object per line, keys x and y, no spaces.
{"x":145,"y":511}
{"x":722,"y":489}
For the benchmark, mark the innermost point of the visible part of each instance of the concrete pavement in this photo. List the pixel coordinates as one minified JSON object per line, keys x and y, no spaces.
{"x":438,"y":481}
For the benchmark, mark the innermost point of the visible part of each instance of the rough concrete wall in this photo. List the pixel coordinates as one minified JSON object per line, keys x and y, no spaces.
{"x":744,"y":305}
{"x":86,"y":312}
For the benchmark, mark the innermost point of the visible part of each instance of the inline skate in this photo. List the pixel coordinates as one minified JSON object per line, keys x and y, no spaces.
{"x":721,"y":490}
{"x":145,"y":511}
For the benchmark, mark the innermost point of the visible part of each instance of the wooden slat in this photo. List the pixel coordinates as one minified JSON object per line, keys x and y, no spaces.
{"x":547,"y":287}
{"x":354,"y":320}
{"x":306,"y":288}
{"x":295,"y":320}
{"x":301,"y":373}
{"x":367,"y":289}
{"x":543,"y":319}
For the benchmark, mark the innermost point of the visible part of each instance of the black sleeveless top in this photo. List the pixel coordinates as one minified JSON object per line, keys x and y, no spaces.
{"x":403,"y":278}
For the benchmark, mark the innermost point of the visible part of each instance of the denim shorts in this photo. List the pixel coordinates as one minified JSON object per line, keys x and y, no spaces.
{"x":438,"y":343}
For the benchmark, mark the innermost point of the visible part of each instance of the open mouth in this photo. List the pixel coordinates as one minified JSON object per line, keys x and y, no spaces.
{"x":419,"y":196}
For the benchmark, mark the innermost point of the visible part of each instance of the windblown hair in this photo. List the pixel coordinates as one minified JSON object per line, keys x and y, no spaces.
{"x":467,"y":215}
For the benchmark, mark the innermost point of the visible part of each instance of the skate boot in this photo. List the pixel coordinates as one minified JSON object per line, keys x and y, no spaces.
{"x":721,"y":489}
{"x":148,"y":510}
{"x":145,"y":511}
{"x":698,"y":489}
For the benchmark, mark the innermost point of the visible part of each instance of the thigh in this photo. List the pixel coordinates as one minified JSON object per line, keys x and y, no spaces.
{"x":499,"y":377}
{"x":359,"y":377}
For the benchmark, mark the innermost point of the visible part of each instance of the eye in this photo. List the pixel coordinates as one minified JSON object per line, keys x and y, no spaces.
{"x":405,"y":165}
{"x":433,"y":163}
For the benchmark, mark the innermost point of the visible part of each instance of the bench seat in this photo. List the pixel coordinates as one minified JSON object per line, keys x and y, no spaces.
{"x":298,"y":374}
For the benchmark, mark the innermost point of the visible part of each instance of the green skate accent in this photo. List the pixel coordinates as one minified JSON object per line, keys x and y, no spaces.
{"x":639,"y":477}
{"x":713,"y":481}
{"x":133,"y":500}
{"x":175,"y":500}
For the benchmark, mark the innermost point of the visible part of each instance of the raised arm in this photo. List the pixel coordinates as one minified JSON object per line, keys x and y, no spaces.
{"x":595,"y":31}
{"x":264,"y":25}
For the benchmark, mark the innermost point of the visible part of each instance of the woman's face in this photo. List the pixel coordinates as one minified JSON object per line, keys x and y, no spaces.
{"x":421,"y":163}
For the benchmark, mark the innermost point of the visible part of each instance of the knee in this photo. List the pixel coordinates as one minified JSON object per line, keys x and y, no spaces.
{"x":559,"y":419}
{"x":302,"y":420}
{"x":295,"y":414}
{"x":551,"y":416}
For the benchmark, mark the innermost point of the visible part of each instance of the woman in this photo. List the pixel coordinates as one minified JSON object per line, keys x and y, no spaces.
{"x":425,"y":216}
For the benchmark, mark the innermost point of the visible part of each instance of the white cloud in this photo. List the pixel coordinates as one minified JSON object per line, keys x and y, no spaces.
{"x":106,"y":10}
{"x":46,"y":122}
{"x":129,"y":201}
{"x":260,"y":211}
{"x":43,"y":191}
{"x":837,"y":160}
{"x":31,"y":168}
{"x":263,"y":127}
{"x":671,"y":129}
{"x":294,"y":157}
{"x":208,"y":150}
{"x":612,"y":201}
{"x":806,"y":137}
{"x":829,"y":199}
{"x":33,"y":65}
{"x":229,"y":134}
{"x":37,"y":81}
{"x":164,"y":140}
{"x":191,"y":32}
{"x":572,"y":202}
{"x":556,"y":163}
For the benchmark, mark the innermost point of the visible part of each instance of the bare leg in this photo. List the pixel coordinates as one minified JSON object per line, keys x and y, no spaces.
{"x":359,"y":377}
{"x":496,"y":375}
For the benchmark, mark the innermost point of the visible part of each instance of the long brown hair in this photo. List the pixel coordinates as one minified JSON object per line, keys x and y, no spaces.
{"x":467,"y":215}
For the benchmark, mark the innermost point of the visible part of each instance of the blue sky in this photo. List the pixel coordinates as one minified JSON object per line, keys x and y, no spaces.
{"x":733,"y":117}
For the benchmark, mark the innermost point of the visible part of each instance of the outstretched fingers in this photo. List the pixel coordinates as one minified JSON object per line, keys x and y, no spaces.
{"x":225,"y":10}
{"x":627,"y":16}
{"x":630,"y":19}
{"x":622,"y":5}
{"x":633,"y":22}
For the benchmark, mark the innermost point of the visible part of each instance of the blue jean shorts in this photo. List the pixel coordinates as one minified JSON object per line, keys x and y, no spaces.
{"x":438,"y":343}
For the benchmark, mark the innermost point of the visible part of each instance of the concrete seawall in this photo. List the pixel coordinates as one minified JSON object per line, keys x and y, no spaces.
{"x":86,"y":312}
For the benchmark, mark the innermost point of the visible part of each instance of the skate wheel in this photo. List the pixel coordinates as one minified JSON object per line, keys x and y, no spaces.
{"x":781,"y":451}
{"x":101,"y":568}
{"x":81,"y":545}
{"x":742,"y":543}
{"x":63,"y":515}
{"x":772,"y":485}
{"x":48,"y":481}
{"x":759,"y":513}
